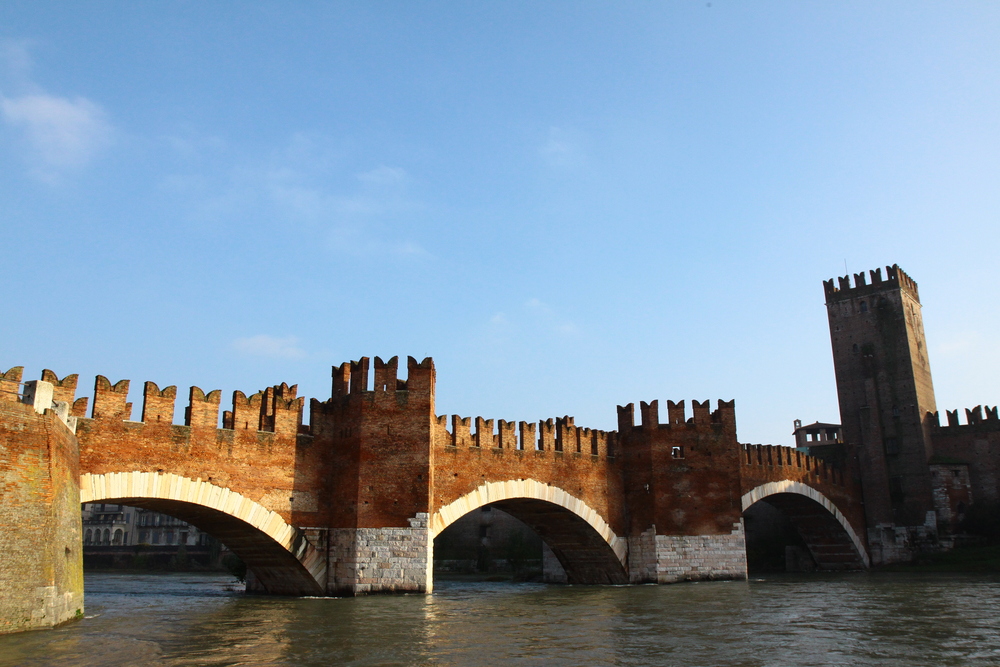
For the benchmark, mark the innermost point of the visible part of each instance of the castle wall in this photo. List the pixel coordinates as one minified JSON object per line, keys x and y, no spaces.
{"x":41,"y":558}
{"x":975,"y":443}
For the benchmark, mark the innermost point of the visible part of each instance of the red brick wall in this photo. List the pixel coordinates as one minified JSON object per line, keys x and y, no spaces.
{"x":40,"y":531}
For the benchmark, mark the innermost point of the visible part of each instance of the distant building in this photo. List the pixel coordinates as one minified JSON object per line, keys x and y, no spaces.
{"x":821,"y":440}
{"x":106,"y":524}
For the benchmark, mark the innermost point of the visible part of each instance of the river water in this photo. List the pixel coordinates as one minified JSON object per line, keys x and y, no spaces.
{"x":848,"y":619}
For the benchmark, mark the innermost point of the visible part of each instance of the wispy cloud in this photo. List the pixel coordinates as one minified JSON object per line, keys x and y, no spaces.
{"x":304,"y":186}
{"x":60,"y":133}
{"x":263,"y":345}
{"x":563,"y":149}
{"x":383,"y":176}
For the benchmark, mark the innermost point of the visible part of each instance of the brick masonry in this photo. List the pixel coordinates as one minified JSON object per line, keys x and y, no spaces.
{"x":41,"y":557}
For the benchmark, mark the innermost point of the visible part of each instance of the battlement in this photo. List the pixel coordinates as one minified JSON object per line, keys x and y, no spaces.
{"x":157,"y":404}
{"x":975,"y":419}
{"x":703,"y":418}
{"x":277,"y":409}
{"x":351,"y":378}
{"x":895,"y":277}
{"x":549,"y":435}
{"x":789,"y":457}
{"x":111,"y":401}
{"x":10,"y":384}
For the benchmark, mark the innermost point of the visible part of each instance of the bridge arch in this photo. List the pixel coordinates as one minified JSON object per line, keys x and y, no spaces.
{"x":831,"y":538}
{"x":278,"y":554}
{"x":586,"y":546}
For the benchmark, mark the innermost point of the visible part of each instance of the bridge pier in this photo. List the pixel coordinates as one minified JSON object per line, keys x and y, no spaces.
{"x":381,"y":560}
{"x":668,"y":559}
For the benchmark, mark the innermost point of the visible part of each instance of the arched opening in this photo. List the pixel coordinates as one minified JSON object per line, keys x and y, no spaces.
{"x":144,"y":541}
{"x":792,"y":527}
{"x":490,"y":544}
{"x":580,"y":542}
{"x":279,"y":559}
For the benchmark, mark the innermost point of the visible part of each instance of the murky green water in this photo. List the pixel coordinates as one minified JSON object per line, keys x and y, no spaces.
{"x":854,"y":619}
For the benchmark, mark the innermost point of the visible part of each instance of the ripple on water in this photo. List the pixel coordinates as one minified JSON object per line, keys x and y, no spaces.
{"x":852,"y":619}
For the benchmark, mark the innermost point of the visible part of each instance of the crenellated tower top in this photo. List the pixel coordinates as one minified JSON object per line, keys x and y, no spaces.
{"x":894,"y":277}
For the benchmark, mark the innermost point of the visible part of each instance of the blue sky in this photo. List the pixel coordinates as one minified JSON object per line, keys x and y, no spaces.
{"x":569,"y":205}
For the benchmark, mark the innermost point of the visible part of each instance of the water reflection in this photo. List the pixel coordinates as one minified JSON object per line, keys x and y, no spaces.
{"x":858,"y":619}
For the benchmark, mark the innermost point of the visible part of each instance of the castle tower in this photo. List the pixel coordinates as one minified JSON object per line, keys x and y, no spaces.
{"x":885,"y":389}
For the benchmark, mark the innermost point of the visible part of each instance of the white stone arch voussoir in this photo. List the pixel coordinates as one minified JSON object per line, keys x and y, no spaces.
{"x":788,"y":486}
{"x":168,"y":486}
{"x":492,"y":492}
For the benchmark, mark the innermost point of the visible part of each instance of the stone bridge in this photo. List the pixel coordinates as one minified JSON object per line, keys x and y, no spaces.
{"x":351,"y":503}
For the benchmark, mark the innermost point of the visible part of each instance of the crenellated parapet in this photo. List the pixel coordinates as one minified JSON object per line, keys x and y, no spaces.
{"x":788,"y":460}
{"x":276,"y":409}
{"x":157,"y":404}
{"x":352,"y":395}
{"x":979,"y":419}
{"x":560,"y":435}
{"x":895,"y":277}
{"x":111,"y":401}
{"x":703,"y":418}
{"x":62,"y":390}
{"x":352,"y":378}
{"x":203,"y":409}
{"x":10,"y":384}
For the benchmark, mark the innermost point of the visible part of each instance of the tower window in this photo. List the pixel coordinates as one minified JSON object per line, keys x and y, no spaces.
{"x":891,"y":446}
{"x":864,"y":306}
{"x":855,"y":348}
{"x":896,"y":488}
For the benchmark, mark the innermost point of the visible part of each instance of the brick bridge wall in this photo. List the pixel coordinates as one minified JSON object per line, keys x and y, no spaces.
{"x":354,"y":499}
{"x":823,"y":502}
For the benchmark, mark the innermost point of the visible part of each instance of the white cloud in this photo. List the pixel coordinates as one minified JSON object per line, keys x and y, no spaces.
{"x":59,"y":133}
{"x":63,"y":133}
{"x":274,"y":347}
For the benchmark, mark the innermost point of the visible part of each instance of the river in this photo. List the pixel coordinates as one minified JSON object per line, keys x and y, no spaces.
{"x":847,"y":619}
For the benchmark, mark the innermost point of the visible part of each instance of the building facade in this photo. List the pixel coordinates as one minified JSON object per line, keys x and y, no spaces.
{"x":112,"y":525}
